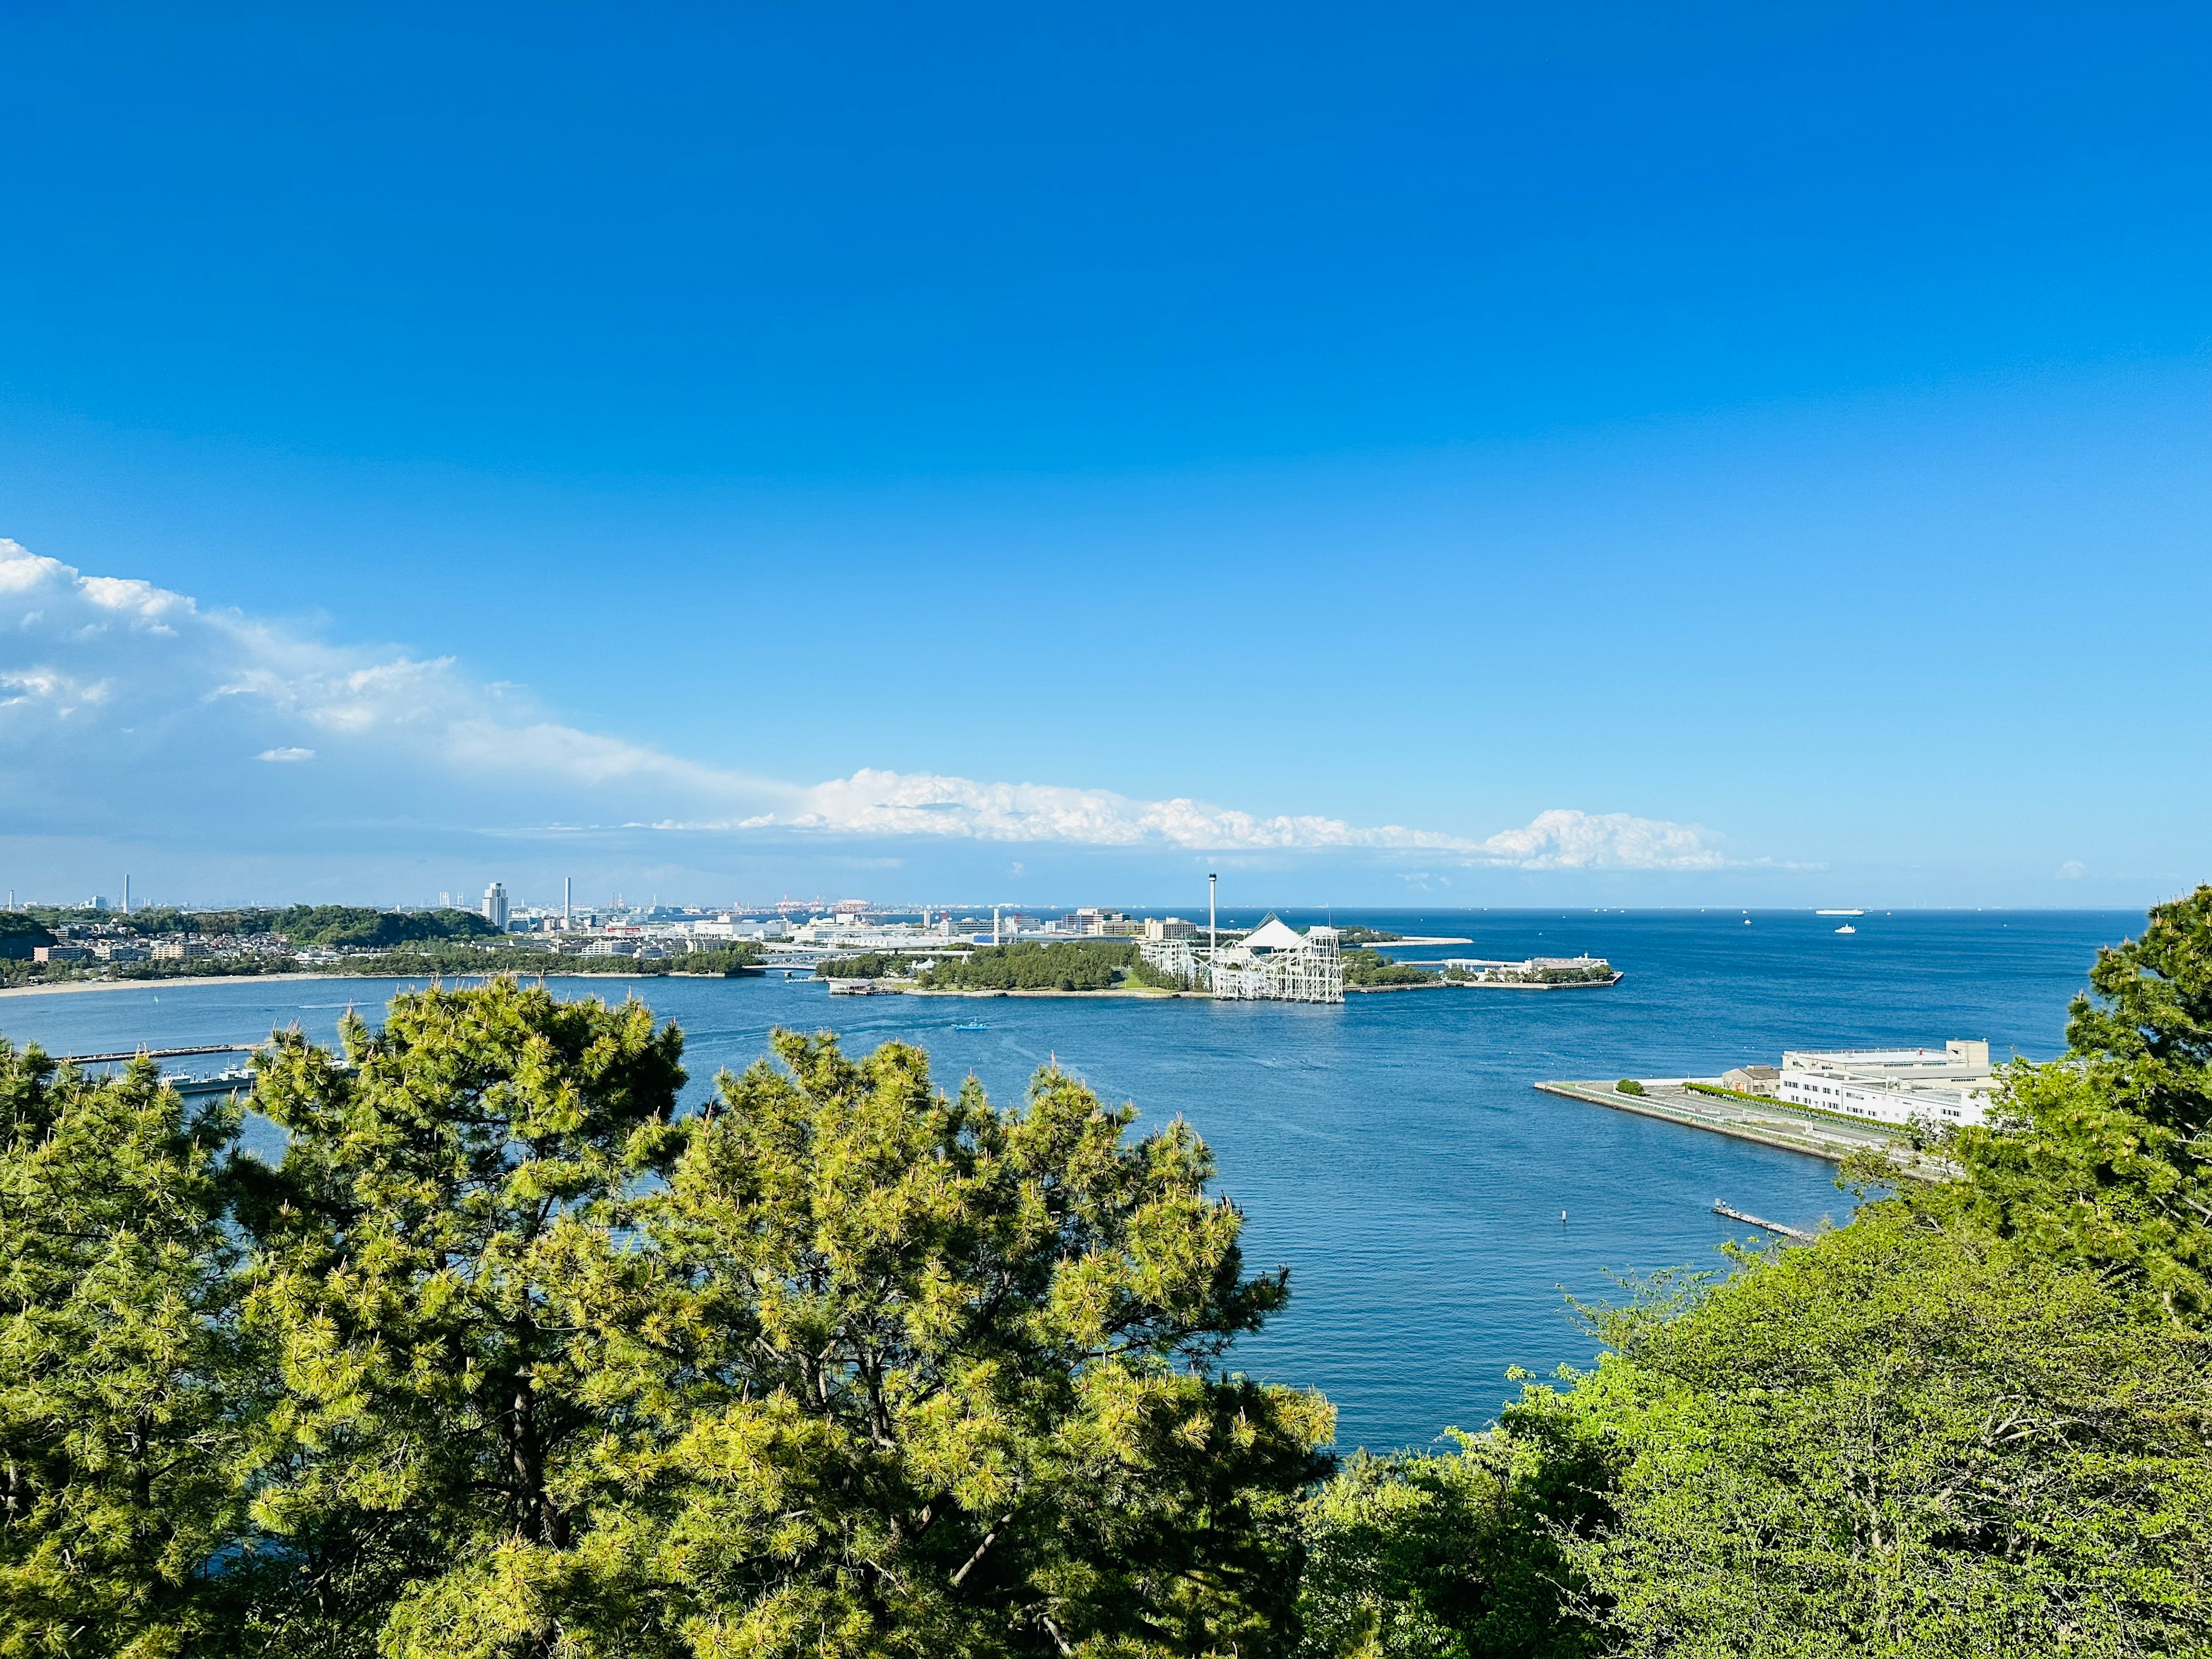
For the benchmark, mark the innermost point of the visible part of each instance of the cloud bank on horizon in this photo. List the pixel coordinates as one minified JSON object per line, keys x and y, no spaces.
{"x":114,"y":693}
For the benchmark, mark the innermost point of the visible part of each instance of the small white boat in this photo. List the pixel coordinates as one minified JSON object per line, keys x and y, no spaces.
{"x":1847,"y":928}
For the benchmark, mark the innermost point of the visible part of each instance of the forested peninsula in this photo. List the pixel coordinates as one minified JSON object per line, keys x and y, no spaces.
{"x":506,"y":1357}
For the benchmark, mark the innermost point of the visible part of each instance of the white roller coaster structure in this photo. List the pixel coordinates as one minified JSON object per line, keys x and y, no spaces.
{"x":1273,"y":964}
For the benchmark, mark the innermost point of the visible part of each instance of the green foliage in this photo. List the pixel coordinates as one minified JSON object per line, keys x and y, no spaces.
{"x":915,"y":1376}
{"x":506,"y":1360}
{"x":1628,"y":1085}
{"x":20,"y":934}
{"x":345,"y":926}
{"x":1976,"y":1421}
{"x":518,"y":1362}
{"x":335,"y":926}
{"x":869,"y":964}
{"x":1143,"y":973}
{"x":454,"y":958}
{"x":1074,"y":965}
{"x":225,"y":967}
{"x":1454,"y":1557}
{"x":123,"y":1389}
{"x":728,"y":962}
{"x":442,"y":1192}
{"x":1372,"y":967}
{"x":2108,"y":1161}
{"x":1897,"y":1442}
{"x":1351,"y":936}
{"x":1592,"y":975}
{"x":495,"y":956}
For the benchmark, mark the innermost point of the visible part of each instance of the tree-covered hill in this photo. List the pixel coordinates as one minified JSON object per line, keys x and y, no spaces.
{"x":20,"y":934}
{"x":1067,"y":965}
{"x":345,"y":926}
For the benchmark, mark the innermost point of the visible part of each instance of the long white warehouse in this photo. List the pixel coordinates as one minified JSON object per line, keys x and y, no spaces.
{"x":1950,"y":1085}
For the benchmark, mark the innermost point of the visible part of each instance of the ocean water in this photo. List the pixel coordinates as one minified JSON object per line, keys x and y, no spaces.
{"x":1392,"y":1151}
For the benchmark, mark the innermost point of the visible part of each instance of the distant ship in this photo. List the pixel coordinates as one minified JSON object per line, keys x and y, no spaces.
{"x":1847,"y":928}
{"x":1838,"y":913}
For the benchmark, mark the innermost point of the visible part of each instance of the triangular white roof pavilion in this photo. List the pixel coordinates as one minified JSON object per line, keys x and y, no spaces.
{"x":1273,"y":935}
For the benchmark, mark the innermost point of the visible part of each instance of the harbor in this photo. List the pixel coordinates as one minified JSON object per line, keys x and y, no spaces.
{"x":1390,"y":1150}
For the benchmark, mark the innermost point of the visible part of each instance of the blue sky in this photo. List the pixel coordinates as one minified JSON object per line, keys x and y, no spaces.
{"x":1436,"y":455}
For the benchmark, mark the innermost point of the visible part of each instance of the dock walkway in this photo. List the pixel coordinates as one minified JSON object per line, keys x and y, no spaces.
{"x":1770,"y":1124}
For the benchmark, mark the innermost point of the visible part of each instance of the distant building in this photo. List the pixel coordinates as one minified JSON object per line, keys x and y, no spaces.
{"x":119,"y":950}
{"x":1170,"y":927}
{"x":180,"y":950}
{"x":494,"y":906}
{"x":1752,"y":1079}
{"x":1093,"y":923}
{"x":1950,"y":1085}
{"x":59,"y":953}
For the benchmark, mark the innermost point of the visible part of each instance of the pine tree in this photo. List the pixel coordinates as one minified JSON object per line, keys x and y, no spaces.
{"x":441,"y":1183}
{"x":912,"y":1374}
{"x":123,"y":1385}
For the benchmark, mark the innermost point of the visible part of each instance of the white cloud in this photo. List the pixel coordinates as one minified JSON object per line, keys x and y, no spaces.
{"x":880,"y":803}
{"x":1564,"y":839}
{"x":87,"y":660}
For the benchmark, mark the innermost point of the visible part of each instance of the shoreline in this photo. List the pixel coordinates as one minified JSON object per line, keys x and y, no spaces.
{"x":68,"y":986}
{"x":1141,"y":992}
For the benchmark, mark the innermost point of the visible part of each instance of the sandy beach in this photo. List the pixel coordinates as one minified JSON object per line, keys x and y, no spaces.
{"x":67,"y":986}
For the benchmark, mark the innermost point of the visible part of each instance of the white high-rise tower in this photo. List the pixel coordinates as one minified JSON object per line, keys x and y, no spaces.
{"x":494,"y":906}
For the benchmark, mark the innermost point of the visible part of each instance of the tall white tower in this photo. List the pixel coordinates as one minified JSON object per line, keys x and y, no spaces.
{"x":494,"y":906}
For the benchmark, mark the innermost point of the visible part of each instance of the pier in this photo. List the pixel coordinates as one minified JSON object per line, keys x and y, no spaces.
{"x":1768,"y":1122}
{"x":123,"y":1056}
{"x":1750,"y":1220}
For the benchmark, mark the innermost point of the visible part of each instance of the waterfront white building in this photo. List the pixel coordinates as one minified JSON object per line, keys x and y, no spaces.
{"x":837,"y":934}
{"x":1949,"y":1086}
{"x":495,"y":905}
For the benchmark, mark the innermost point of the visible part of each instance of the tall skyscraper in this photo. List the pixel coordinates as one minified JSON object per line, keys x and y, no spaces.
{"x":494,"y":906}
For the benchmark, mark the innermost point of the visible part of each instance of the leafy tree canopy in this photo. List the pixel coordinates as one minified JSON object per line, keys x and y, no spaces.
{"x":1025,"y":965}
{"x":124,"y":1389}
{"x":841,"y":1365}
{"x":2107,"y":1159}
{"x":20,"y":934}
{"x":916,"y":1374}
{"x":443,"y":1186}
{"x":351,"y":927}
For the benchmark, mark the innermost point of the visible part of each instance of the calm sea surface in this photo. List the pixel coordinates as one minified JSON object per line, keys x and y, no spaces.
{"x":1391,"y":1151}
